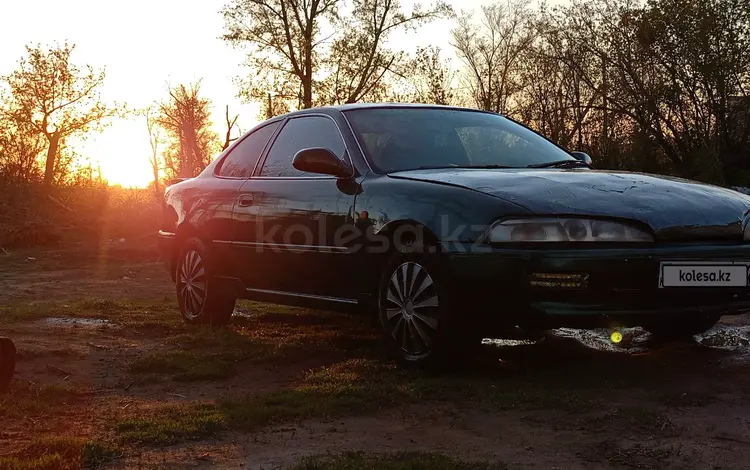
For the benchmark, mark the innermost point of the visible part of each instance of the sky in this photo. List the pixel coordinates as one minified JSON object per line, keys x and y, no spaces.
{"x":144,"y":45}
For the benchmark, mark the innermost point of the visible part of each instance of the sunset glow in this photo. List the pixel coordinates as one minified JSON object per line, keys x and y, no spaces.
{"x":166,"y":43}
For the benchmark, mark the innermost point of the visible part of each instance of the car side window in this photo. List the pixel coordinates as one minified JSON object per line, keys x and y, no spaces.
{"x":241,"y":160}
{"x":301,"y":133}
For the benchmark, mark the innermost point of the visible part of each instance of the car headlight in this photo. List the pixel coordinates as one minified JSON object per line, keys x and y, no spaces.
{"x":564,"y":230}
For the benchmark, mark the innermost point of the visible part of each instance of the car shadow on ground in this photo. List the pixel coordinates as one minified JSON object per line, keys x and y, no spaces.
{"x":586,"y":358}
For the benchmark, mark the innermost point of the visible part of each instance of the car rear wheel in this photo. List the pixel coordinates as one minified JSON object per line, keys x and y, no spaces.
{"x":7,"y":363}
{"x":200,"y":299}
{"x":681,"y":329}
{"x":415,"y":312}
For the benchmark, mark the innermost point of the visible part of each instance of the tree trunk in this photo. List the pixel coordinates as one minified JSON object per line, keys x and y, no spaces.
{"x":49,"y":168}
{"x":157,"y":187}
{"x":192,"y":155}
{"x":307,"y":93}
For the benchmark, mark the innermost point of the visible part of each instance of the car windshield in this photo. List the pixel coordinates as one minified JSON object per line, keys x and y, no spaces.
{"x":398,"y":139}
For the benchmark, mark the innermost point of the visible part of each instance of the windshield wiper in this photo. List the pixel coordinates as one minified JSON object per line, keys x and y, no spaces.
{"x":489,"y":167}
{"x":560,"y":164}
{"x":448,"y":167}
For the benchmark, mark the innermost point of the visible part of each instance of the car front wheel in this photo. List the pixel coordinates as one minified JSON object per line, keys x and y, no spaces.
{"x":415,"y":315}
{"x":201,"y":301}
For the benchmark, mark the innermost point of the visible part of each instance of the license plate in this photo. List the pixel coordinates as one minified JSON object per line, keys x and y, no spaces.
{"x":703,"y":274}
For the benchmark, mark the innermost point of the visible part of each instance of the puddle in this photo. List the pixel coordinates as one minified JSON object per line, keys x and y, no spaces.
{"x":636,"y":340}
{"x":507,"y":342}
{"x":243,"y":312}
{"x":68,"y":321}
{"x":733,"y":338}
{"x":633,"y":339}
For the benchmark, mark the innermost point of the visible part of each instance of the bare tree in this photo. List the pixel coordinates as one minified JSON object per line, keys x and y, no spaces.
{"x":283,"y":37}
{"x":155,"y":138}
{"x":492,"y":51}
{"x":553,"y":97}
{"x":431,"y":77}
{"x":56,"y":98}
{"x":359,"y":58}
{"x":20,"y":146}
{"x":186,"y":118}
{"x":231,"y":123}
{"x":670,"y":68}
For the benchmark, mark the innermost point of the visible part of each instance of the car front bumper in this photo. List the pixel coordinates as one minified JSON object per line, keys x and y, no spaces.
{"x":615,"y":285}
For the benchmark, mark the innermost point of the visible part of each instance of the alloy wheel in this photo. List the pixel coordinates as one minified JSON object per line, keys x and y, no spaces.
{"x":411,"y":308}
{"x":192,"y":283}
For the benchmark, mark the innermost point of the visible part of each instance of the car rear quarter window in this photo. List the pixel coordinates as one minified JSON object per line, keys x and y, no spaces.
{"x":301,"y":133}
{"x":242,"y":158}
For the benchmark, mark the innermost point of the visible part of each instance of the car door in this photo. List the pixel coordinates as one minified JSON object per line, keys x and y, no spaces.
{"x":232,"y":171}
{"x":290,"y":234}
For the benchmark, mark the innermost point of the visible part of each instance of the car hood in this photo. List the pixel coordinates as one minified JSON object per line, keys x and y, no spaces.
{"x":674,"y":208}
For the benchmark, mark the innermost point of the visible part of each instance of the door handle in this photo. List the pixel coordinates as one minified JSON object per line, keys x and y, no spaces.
{"x":245,"y":200}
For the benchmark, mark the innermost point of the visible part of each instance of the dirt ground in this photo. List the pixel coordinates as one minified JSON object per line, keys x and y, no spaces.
{"x":108,"y":376}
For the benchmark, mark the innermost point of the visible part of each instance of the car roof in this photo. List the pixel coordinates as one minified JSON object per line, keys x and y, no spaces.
{"x":355,"y":106}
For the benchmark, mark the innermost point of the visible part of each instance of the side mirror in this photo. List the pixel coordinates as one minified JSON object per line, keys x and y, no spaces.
{"x":582,"y":156}
{"x":321,"y":160}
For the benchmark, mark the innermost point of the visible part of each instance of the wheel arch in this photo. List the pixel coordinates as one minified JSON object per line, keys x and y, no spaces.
{"x":183,"y":232}
{"x":379,"y":257}
{"x":407,"y":228}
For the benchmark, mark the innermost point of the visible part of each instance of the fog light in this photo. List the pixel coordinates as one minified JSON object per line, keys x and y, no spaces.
{"x":616,"y":337}
{"x":559,"y":280}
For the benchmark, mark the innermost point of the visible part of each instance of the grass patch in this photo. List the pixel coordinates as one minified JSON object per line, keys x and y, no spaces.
{"x":26,"y":400}
{"x":171,"y":424}
{"x":284,"y":334}
{"x":154,"y":315}
{"x":100,"y":305}
{"x":349,"y":387}
{"x":398,"y":461}
{"x":297,"y":328}
{"x":229,"y":344}
{"x":494,"y":394}
{"x":639,"y":420}
{"x":45,"y":462}
{"x":636,"y":455}
{"x":354,"y":386}
{"x":691,"y":399}
{"x":59,"y":453}
{"x":206,"y":354}
{"x":23,"y":354}
{"x":184,"y":366}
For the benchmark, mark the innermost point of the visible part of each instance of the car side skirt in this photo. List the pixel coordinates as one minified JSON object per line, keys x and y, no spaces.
{"x":294,"y":299}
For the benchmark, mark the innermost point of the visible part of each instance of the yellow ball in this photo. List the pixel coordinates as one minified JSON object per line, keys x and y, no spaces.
{"x":616,"y":337}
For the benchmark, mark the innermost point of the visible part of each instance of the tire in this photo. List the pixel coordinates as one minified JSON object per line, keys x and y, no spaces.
{"x":675,"y":329}
{"x":7,"y":363}
{"x":202,"y":301}
{"x":415,"y":312}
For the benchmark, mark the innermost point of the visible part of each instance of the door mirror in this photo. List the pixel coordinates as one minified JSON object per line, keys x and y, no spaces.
{"x":320,"y":160}
{"x":582,"y":156}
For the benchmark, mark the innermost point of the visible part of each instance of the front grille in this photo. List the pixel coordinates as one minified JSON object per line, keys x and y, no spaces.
{"x":559,"y":280}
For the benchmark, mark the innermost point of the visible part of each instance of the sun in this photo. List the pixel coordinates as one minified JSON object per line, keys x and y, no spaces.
{"x":122,"y":152}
